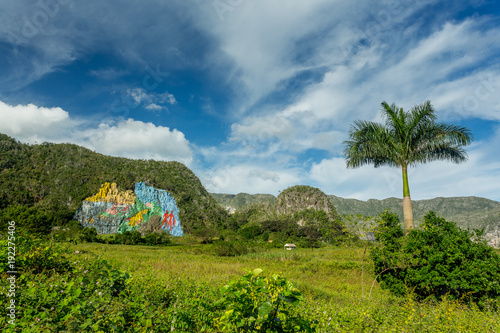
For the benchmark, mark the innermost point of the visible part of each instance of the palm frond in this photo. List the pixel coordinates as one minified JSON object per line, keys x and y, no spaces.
{"x":370,"y":143}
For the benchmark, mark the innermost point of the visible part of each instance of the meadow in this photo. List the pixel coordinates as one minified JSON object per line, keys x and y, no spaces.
{"x":336,"y":282}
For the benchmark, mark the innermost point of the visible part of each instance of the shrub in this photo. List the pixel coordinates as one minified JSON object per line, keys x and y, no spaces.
{"x":129,"y":238}
{"x":229,"y":249}
{"x":438,"y":259}
{"x":250,"y":231}
{"x":157,"y":238}
{"x":33,"y":219}
{"x":34,"y":255}
{"x":255,"y":303}
{"x":69,"y":232}
{"x":88,"y":235}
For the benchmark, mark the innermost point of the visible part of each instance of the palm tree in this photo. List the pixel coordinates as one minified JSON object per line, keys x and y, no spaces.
{"x":407,"y":139}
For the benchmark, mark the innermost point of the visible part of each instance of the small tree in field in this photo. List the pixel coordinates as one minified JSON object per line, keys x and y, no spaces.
{"x":407,"y":139}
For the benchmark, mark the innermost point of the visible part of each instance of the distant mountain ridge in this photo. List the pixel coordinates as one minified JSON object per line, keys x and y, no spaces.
{"x":467,"y":212}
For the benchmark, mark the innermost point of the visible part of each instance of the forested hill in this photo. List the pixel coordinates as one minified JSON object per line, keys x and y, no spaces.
{"x":57,"y":177}
{"x":467,"y":212}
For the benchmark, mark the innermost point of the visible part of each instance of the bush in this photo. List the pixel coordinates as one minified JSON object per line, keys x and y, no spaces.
{"x":33,"y":255}
{"x":33,"y":219}
{"x":69,"y":232}
{"x":88,"y":235}
{"x":438,"y":259}
{"x":157,"y":238}
{"x":255,"y":303}
{"x":129,"y":238}
{"x":229,"y":249}
{"x":250,"y":231}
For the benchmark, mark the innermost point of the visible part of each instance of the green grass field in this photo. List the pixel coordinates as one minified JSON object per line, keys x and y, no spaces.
{"x":335,"y":281}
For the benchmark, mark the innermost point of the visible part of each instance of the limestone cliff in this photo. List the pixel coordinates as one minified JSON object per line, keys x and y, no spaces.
{"x":300,"y":197}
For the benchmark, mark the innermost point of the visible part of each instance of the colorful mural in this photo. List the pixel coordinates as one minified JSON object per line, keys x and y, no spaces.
{"x":146,"y":209}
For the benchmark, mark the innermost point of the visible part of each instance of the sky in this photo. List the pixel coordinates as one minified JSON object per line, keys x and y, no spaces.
{"x":255,"y":96}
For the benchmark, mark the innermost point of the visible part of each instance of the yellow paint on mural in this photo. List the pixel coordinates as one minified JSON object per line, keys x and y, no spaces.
{"x":91,"y":220}
{"x":109,"y":193}
{"x":137,"y":218}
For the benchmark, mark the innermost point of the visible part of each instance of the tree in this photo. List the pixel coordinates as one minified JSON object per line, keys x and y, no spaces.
{"x":407,"y":139}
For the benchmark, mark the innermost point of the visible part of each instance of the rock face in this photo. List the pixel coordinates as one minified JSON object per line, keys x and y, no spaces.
{"x":146,"y":209}
{"x":493,"y":238}
{"x":300,"y":197}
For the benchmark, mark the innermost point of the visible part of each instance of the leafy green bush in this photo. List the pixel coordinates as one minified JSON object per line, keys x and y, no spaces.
{"x":250,"y":231}
{"x":33,"y":255}
{"x":88,"y":235}
{"x":129,"y":238}
{"x":69,"y":232}
{"x":255,"y":303}
{"x":229,"y":248}
{"x":157,"y":238}
{"x":33,"y":219}
{"x":438,"y":259}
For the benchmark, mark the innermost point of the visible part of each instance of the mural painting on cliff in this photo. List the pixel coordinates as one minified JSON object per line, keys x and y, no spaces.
{"x":146,"y":210}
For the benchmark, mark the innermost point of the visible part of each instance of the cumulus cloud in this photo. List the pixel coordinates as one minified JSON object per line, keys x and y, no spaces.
{"x":249,"y":179}
{"x":136,"y":139}
{"x":31,"y":123}
{"x":125,"y":138}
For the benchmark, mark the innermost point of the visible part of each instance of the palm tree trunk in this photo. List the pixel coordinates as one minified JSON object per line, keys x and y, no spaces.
{"x":407,"y":208}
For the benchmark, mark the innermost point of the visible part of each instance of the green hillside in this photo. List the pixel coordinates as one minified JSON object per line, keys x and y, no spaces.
{"x":242,"y":200}
{"x":57,"y":177}
{"x":467,"y":212}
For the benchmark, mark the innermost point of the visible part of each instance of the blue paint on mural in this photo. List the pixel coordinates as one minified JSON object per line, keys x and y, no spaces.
{"x":169,"y":210}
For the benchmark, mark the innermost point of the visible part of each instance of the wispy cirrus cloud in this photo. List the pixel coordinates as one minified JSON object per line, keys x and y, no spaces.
{"x":151,"y":100}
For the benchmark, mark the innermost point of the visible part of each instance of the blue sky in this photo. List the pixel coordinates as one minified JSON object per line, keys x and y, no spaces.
{"x":254,"y":96}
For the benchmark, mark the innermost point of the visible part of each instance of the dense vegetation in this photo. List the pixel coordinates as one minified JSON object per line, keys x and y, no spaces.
{"x":437,"y":260}
{"x":301,"y":215}
{"x":123,"y":288}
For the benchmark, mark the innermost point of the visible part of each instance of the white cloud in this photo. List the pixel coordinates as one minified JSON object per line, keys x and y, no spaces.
{"x":31,"y":123}
{"x":166,"y":97}
{"x":138,"y":95}
{"x":126,"y":138}
{"x":249,"y":179}
{"x":151,"y":100}
{"x":154,"y":107}
{"x":136,"y":139}
{"x":332,"y":176}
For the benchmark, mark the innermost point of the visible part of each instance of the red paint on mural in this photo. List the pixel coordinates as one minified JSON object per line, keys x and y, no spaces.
{"x":168,"y":220}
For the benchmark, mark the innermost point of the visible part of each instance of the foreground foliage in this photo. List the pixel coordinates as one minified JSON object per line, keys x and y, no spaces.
{"x":255,"y":303}
{"x":436,"y":260}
